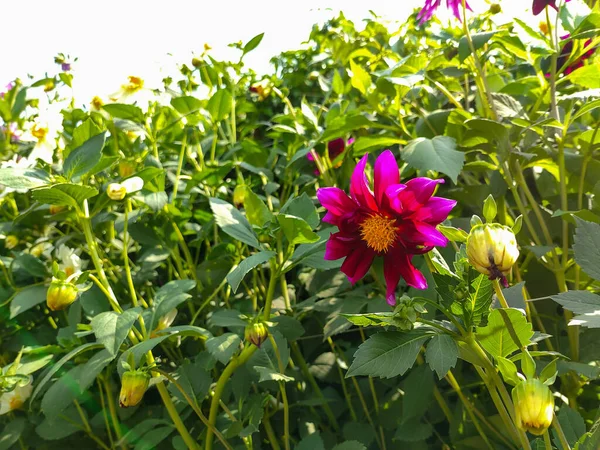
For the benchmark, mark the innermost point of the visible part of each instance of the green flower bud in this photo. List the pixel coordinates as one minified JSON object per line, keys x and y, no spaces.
{"x":492,"y":250}
{"x":11,"y":241}
{"x":239,"y":195}
{"x":495,"y":8}
{"x":60,"y":294}
{"x":256,"y":333}
{"x":134,"y":384}
{"x":534,"y":406}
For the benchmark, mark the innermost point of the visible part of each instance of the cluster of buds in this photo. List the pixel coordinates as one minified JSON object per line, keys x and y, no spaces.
{"x":256,"y":333}
{"x":134,"y":384}
{"x":406,"y":312}
{"x":491,"y":247}
{"x":118,"y":191}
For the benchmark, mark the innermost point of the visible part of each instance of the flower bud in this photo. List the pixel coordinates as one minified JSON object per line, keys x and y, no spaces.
{"x":60,"y":294}
{"x":11,"y":241}
{"x":97,"y":103}
{"x":49,"y":85}
{"x":134,"y":384}
{"x":116,"y":191}
{"x":534,"y":406}
{"x":55,"y":209}
{"x":492,"y":250}
{"x":164,"y":322}
{"x":126,"y":169}
{"x":256,"y":333}
{"x":239,"y":195}
{"x":196,"y":62}
{"x":495,"y":8}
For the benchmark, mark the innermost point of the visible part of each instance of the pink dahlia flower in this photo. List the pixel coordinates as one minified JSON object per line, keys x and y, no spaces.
{"x":540,"y":5}
{"x":431,"y":6}
{"x":396,"y":221}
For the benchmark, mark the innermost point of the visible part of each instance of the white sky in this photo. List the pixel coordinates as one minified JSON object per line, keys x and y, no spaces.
{"x":117,"y":38}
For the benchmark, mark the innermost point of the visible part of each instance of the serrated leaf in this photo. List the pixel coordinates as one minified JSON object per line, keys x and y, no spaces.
{"x":296,"y":230}
{"x":587,"y":247}
{"x":235,"y":277}
{"x":232,"y":222}
{"x":257,"y":212}
{"x":495,"y":336}
{"x":223,"y":347}
{"x":437,"y":154}
{"x":85,"y":157}
{"x":388,"y":354}
{"x":587,"y":76}
{"x":441,"y":354}
{"x":64,"y":194}
{"x":303,"y":207}
{"x":17,"y":178}
{"x":269,"y":374}
{"x":111,"y":328}
{"x":572,"y":425}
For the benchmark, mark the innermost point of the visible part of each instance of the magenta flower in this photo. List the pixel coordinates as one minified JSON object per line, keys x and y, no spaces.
{"x":566,"y":53}
{"x":334,"y":149}
{"x":431,"y":6}
{"x":540,"y":5}
{"x":395,"y":222}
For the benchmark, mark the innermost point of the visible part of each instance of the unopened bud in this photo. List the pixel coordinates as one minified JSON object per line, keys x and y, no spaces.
{"x":492,"y":250}
{"x":534,"y":406}
{"x":495,"y":8}
{"x":48,"y":86}
{"x":60,"y":294}
{"x":134,"y":384}
{"x":116,"y":191}
{"x":55,"y":209}
{"x":256,"y":333}
{"x":11,"y":241}
{"x":239,"y":195}
{"x":97,"y":103}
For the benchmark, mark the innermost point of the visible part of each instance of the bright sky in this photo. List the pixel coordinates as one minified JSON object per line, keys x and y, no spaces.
{"x":117,"y":38}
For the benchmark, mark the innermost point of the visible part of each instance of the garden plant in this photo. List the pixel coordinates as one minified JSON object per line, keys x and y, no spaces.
{"x":391,"y":242}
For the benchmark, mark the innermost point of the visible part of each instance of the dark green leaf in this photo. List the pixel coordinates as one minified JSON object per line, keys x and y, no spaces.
{"x":437,"y":154}
{"x":84,"y":158}
{"x":111,"y":329}
{"x":253,"y":43}
{"x":64,"y":194}
{"x":587,"y":247}
{"x":26,"y":299}
{"x":235,"y":277}
{"x":223,"y":347}
{"x":495,"y":336}
{"x":441,"y":354}
{"x":232,"y":222}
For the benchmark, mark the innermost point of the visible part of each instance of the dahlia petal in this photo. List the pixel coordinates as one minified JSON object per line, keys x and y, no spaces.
{"x":418,"y":234}
{"x":412,"y":275}
{"x":418,"y":191}
{"x":359,"y":186}
{"x":397,"y":264}
{"x":337,"y":247}
{"x":337,"y":203}
{"x":358,"y":262}
{"x":385,"y":174}
{"x":435,"y":211}
{"x":394,"y":200}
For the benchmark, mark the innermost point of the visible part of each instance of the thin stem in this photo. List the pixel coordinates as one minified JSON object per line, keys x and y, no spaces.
{"x":500,"y":294}
{"x":547,"y":442}
{"x":113,"y":413}
{"x":286,"y":406}
{"x":174,"y":415}
{"x":560,"y":433}
{"x":179,"y":165}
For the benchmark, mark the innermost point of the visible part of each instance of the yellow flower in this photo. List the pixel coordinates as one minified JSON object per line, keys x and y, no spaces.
{"x":544,"y":27}
{"x":534,"y":406}
{"x":134,"y":384}
{"x":492,"y":249}
{"x":97,"y":103}
{"x":60,"y":294}
{"x":11,"y":241}
{"x":262,"y":89}
{"x":49,"y":85}
{"x":135,"y":84}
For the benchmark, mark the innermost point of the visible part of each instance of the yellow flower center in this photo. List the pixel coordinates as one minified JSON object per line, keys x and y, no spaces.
{"x":134,"y":85}
{"x":39,"y":132}
{"x":378,"y":232}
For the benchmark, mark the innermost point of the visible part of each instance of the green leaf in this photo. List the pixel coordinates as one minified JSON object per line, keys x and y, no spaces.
{"x":311,"y":442}
{"x":219,"y":105}
{"x":453,"y":234}
{"x":388,"y":354}
{"x":138,"y":351}
{"x":350,"y":445}
{"x":169,"y":297}
{"x":64,"y":194}
{"x":73,"y":384}
{"x":60,"y":427}
{"x":186,"y":104}
{"x":17,"y":178}
{"x":235,"y":277}
{"x":111,"y":329}
{"x":587,"y":76}
{"x":418,"y":393}
{"x":413,"y":431}
{"x":572,"y":425}
{"x":232,"y":222}
{"x":360,"y":78}
{"x":304,"y":208}
{"x":490,"y":209}
{"x":270,"y":374}
{"x":587,"y":247}
{"x":257,"y":212}
{"x":495,"y":336}
{"x":11,"y":432}
{"x":139,"y":430}
{"x":366,"y":143}
{"x":152,"y":438}
{"x":382,"y":319}
{"x":253,"y":43}
{"x":479,"y":40}
{"x":339,"y":87}
{"x":84,"y":158}
{"x":26,"y":299}
{"x":124,"y":111}
{"x":55,"y":368}
{"x":437,"y":154}
{"x":591,"y":439}
{"x":83,"y":132}
{"x":32,"y":265}
{"x":583,"y":303}
{"x":441,"y":354}
{"x":290,"y":328}
{"x":296,"y":230}
{"x":223,"y":347}
{"x":508,"y":369}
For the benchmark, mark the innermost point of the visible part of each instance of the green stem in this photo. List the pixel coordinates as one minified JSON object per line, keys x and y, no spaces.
{"x":179,"y":166}
{"x":113,"y":413}
{"x":560,"y":433}
{"x":170,"y":407}
{"x":547,"y":443}
{"x":286,"y":406}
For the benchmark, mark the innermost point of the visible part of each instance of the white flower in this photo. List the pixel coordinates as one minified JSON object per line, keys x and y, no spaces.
{"x":45,"y":143}
{"x":118,"y":191}
{"x":9,"y":401}
{"x":17,"y":162}
{"x":69,"y":260}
